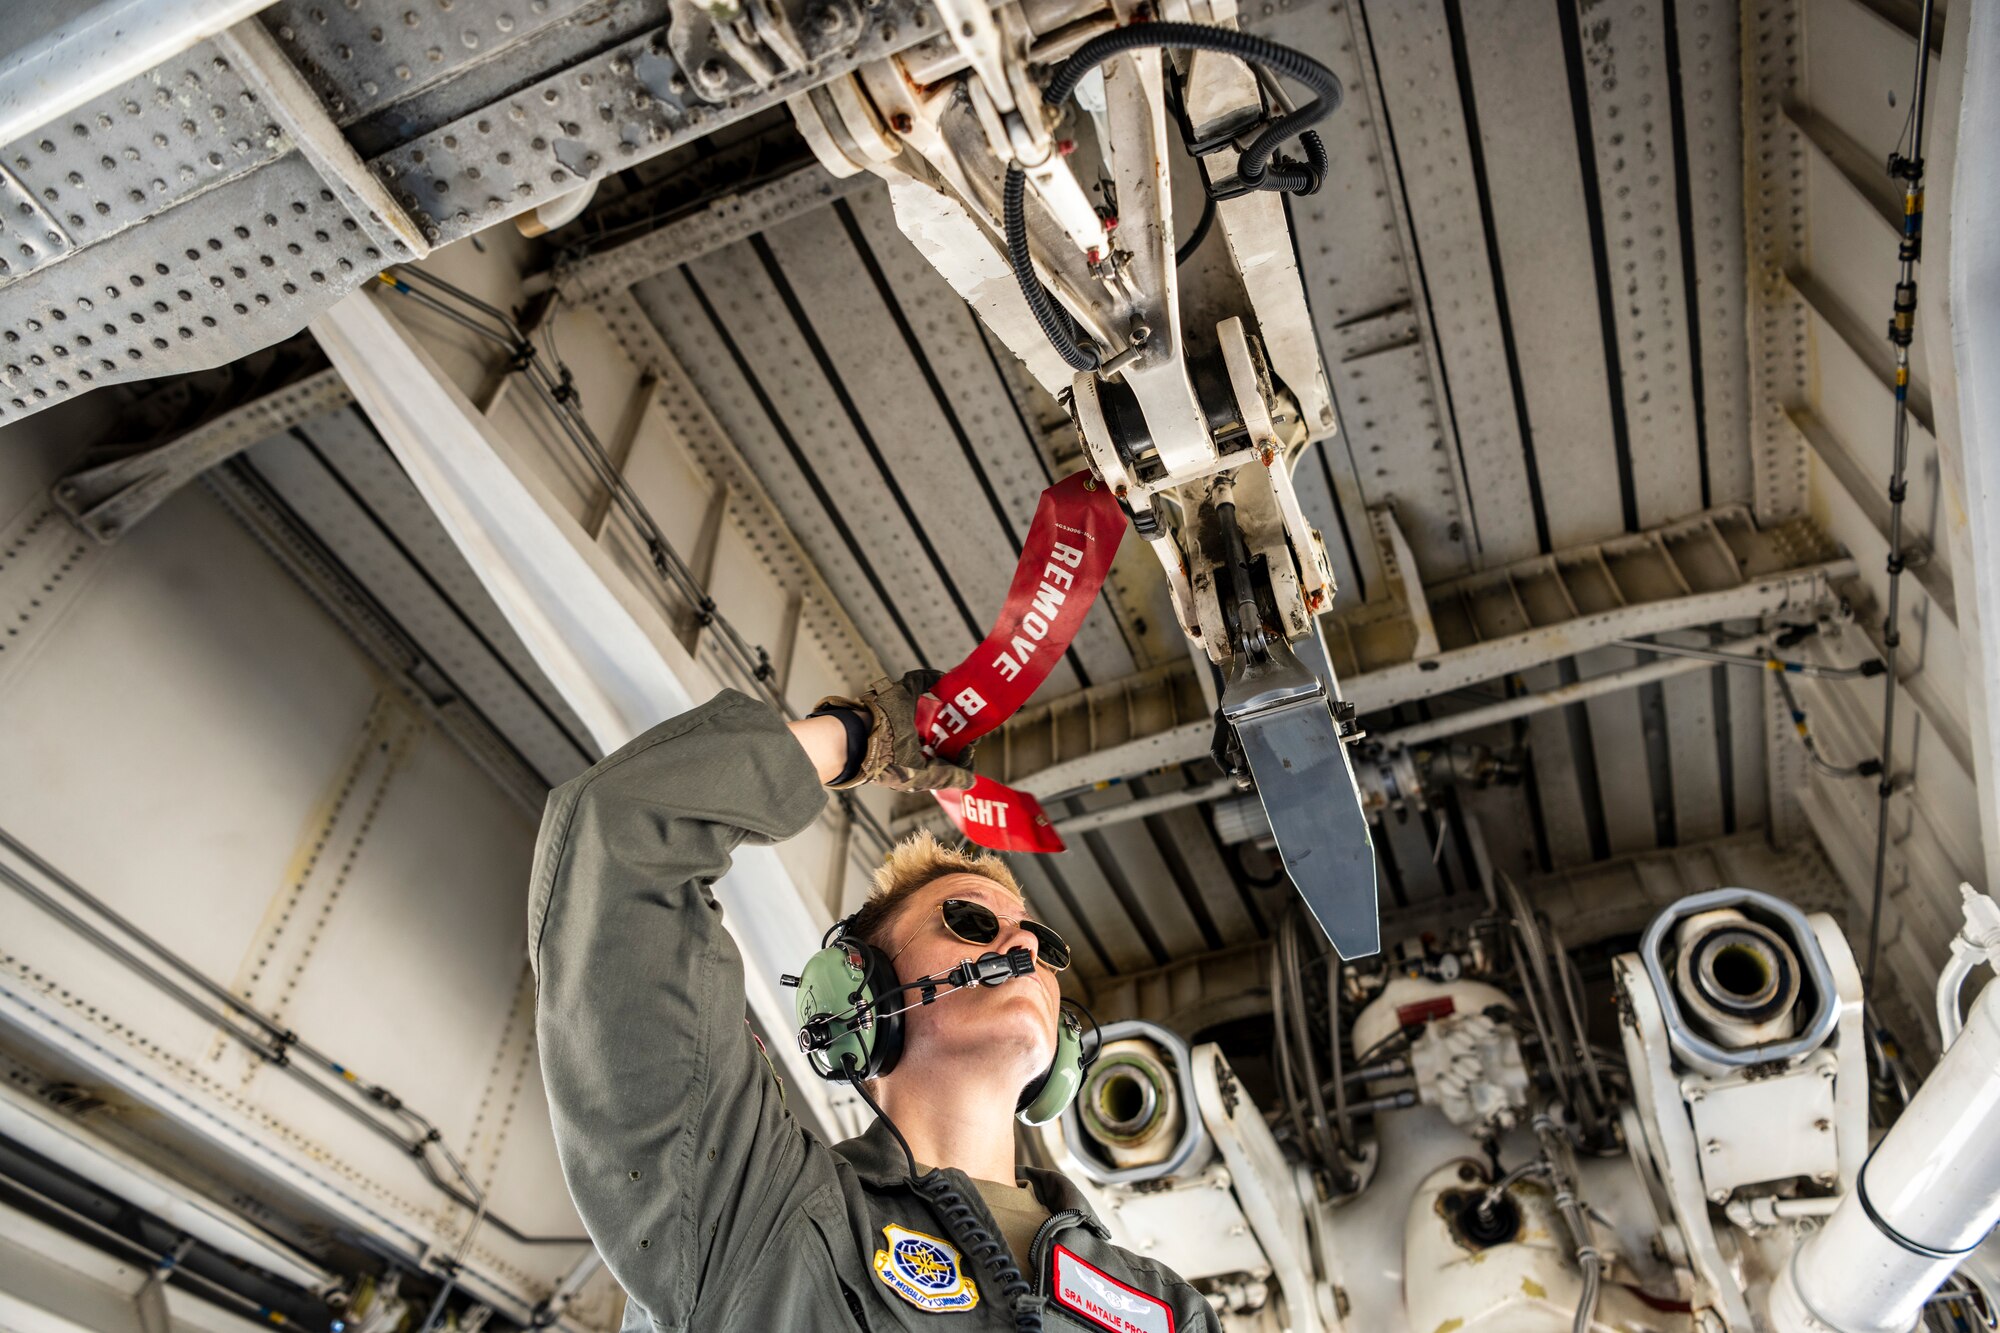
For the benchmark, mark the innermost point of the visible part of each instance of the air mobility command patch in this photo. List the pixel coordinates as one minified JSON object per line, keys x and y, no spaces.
{"x":924,"y":1271}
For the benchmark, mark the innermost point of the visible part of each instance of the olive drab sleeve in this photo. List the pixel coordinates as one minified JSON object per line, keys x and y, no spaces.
{"x":674,"y":1140}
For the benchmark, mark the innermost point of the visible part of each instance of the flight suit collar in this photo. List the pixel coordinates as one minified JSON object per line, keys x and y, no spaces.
{"x":878,"y":1159}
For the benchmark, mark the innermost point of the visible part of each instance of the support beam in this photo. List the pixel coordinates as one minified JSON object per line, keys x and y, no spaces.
{"x":106,"y":501}
{"x":598,"y":638}
{"x":284,"y":93}
{"x":1158,"y":732}
{"x":49,"y":1133}
{"x":613,"y":273}
{"x":1665,"y":668}
{"x":1868,"y":495}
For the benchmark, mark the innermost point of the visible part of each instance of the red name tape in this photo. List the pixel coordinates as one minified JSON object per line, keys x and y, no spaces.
{"x":1064,"y":561}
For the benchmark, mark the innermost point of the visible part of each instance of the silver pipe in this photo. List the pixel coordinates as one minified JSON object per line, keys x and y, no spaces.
{"x":1147,"y":805}
{"x":66,"y":1144}
{"x":1507,"y":710}
{"x":1902,"y":329}
{"x":1570,"y":1204}
{"x":1762,"y":661}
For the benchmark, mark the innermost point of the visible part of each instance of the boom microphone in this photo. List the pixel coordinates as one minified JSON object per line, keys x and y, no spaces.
{"x":989,"y":969}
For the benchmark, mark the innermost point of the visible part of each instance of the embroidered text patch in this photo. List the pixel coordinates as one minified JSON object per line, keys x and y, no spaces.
{"x":1106,"y":1301}
{"x":924,"y":1271}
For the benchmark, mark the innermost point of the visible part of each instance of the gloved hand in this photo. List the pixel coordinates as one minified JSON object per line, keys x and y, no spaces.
{"x":895,"y":756}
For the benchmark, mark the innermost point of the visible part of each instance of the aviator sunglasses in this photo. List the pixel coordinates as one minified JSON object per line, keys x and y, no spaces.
{"x":976,"y":923}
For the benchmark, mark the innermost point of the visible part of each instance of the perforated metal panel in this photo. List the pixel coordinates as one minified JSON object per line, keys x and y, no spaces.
{"x":469,"y":113}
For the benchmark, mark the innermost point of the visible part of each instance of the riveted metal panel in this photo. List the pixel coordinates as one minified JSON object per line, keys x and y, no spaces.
{"x":1693,"y":747}
{"x":1131,"y":864}
{"x":1185,"y":836}
{"x":176,"y":588}
{"x":764,"y":335}
{"x":1419,"y":85}
{"x":1773,"y":169}
{"x":1626,"y":78}
{"x":1617,"y":733}
{"x":191,"y":289}
{"x":1010,"y":455}
{"x":1075,"y":879}
{"x":1857,"y":74}
{"x":44,"y":564}
{"x":1543,"y":233}
{"x":595,"y":116}
{"x":823,"y":621}
{"x":880,"y":375}
{"x":1361,"y":287}
{"x":1710,"y":59}
{"x":1556,"y":779}
{"x":362,"y":505}
{"x":514,"y":133}
{"x":1402,"y":455}
{"x":724,"y":222}
{"x":174,"y":132}
{"x":363,"y":55}
{"x":29,"y":234}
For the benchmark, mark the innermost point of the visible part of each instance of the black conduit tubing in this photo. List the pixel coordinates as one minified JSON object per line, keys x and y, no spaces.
{"x":1254,"y":168}
{"x":1057,"y":326}
{"x":1200,"y":232}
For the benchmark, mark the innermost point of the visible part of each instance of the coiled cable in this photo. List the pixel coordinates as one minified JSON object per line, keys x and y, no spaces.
{"x":996,"y":1262}
{"x":962,"y":1224}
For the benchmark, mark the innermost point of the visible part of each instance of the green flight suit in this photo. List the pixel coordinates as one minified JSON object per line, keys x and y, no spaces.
{"x":712,"y":1205}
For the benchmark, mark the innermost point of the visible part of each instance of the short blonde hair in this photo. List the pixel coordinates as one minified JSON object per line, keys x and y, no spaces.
{"x":916,"y":861}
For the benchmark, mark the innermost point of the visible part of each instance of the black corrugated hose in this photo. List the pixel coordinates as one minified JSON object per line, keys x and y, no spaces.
{"x":1258,"y":168}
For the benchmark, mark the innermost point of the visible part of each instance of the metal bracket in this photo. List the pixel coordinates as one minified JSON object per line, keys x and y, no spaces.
{"x":105,"y":501}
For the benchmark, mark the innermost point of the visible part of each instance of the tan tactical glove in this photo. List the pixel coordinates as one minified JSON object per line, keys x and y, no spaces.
{"x":895,"y":756}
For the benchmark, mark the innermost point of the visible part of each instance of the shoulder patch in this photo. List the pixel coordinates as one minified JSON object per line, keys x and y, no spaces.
{"x":1105,"y":1301}
{"x":925,"y":1271}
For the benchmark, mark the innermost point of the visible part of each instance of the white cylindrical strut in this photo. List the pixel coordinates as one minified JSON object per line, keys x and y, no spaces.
{"x":1930,"y":1192}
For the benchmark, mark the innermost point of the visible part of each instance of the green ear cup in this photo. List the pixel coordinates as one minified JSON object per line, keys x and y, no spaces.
{"x":1047,"y":1097}
{"x":834,"y":981}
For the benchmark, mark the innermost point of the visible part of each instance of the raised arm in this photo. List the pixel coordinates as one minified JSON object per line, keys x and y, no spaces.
{"x":671,"y":1131}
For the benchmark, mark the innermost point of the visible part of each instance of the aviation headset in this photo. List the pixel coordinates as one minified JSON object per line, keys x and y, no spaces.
{"x":848,"y":1038}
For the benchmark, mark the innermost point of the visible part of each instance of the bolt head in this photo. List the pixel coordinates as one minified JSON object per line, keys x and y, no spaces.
{"x":901,"y":122}
{"x":713,"y":75}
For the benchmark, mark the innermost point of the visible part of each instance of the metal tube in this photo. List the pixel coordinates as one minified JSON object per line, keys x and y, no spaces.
{"x":1339,"y":1080}
{"x":1902,"y":329}
{"x":1929,"y":1193}
{"x":1570,"y":1204}
{"x":1762,"y":661}
{"x":52,"y":1136}
{"x":1149,"y":805}
{"x":1473,"y":718}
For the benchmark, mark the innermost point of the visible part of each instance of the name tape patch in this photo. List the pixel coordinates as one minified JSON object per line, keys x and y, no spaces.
{"x":1105,"y":1301}
{"x":925,"y":1271}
